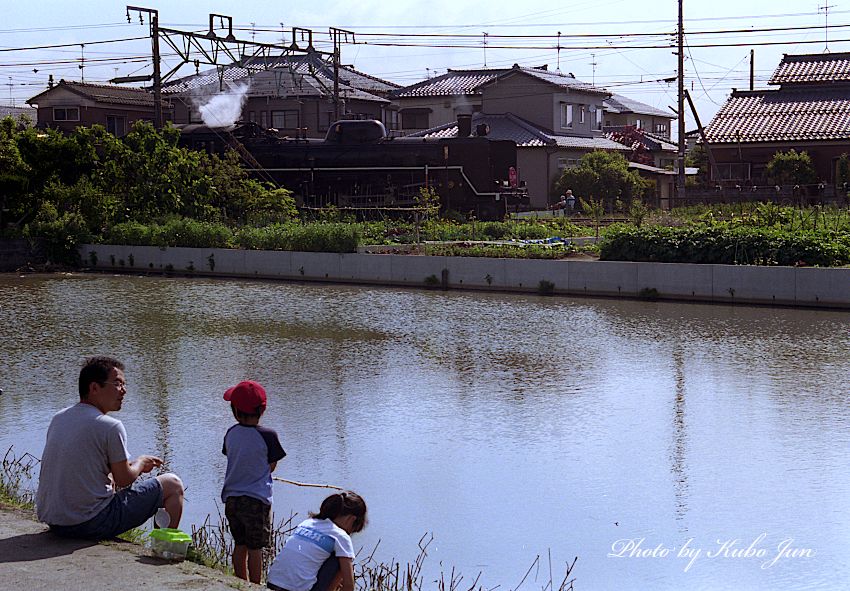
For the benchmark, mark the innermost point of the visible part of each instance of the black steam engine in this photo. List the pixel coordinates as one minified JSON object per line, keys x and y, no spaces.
{"x":358,"y":166}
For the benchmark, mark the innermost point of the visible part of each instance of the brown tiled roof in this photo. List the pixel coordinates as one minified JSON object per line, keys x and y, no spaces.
{"x":815,"y":68}
{"x":785,"y":115}
{"x":102,"y":93}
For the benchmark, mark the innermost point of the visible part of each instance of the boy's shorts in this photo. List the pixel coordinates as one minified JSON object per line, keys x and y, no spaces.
{"x":129,"y":508}
{"x":250,"y":522}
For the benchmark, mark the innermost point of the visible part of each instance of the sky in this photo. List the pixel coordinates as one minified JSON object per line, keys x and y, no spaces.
{"x":621,"y":45}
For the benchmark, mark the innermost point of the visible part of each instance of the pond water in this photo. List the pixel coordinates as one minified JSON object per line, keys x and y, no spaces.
{"x":668,"y":446}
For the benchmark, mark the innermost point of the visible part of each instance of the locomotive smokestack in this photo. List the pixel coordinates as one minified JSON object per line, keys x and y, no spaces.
{"x":464,"y":125}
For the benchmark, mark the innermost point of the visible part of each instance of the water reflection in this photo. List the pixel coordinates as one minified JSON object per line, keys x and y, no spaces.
{"x":507,"y":425}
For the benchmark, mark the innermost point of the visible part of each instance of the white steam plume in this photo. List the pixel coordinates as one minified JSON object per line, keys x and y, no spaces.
{"x":221,"y":110}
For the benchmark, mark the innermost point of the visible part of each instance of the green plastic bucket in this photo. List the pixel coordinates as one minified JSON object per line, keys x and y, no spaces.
{"x":171,"y":544}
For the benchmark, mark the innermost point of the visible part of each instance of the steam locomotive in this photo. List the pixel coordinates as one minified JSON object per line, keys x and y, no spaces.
{"x":358,"y":166}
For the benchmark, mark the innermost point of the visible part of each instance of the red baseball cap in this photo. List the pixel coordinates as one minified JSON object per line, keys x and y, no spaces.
{"x":246,"y":396}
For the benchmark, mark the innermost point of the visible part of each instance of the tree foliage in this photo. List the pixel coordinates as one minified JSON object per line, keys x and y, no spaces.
{"x":100,"y":180}
{"x":603,"y":176}
{"x":791,"y":168}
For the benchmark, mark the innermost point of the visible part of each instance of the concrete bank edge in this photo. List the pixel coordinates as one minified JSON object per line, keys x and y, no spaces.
{"x":782,"y":286}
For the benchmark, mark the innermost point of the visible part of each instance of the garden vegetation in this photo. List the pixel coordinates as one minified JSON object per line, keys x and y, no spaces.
{"x":145,"y":189}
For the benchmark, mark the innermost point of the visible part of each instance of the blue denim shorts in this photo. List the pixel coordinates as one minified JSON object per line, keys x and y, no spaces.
{"x":129,"y":508}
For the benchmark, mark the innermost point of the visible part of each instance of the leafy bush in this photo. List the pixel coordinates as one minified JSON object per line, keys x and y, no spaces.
{"x":174,"y":232}
{"x":725,"y":244}
{"x":60,"y":234}
{"x":328,"y":237}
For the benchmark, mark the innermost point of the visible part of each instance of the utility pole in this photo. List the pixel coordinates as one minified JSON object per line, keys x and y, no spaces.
{"x":680,"y":182}
{"x":338,"y":36}
{"x":153,"y":15}
{"x":752,"y":69}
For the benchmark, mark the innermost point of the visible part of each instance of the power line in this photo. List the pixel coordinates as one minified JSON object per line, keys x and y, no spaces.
{"x":72,"y":44}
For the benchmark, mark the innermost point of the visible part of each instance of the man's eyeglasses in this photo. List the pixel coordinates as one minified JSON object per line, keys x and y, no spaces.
{"x":118,"y":385}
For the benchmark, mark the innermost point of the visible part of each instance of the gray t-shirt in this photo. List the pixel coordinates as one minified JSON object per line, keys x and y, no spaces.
{"x":74,"y":484}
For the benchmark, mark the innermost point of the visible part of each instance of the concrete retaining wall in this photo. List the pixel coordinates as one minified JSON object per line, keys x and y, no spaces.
{"x":786,"y":286}
{"x":18,"y":253}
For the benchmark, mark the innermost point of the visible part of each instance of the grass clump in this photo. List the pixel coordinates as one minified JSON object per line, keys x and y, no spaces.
{"x":16,"y":479}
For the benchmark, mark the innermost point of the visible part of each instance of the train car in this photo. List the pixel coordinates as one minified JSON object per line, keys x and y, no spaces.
{"x":358,"y":166}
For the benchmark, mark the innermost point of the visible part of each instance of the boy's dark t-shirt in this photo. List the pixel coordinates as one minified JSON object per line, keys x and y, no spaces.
{"x":250,"y":450}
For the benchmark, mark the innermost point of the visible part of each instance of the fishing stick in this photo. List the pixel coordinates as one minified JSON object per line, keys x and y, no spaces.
{"x":307,"y":483}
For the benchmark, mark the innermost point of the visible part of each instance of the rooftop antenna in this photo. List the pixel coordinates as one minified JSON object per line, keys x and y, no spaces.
{"x":558,"y":51}
{"x":253,"y":31}
{"x":593,"y":64}
{"x":485,"y":50}
{"x":11,"y":100}
{"x":825,"y":8}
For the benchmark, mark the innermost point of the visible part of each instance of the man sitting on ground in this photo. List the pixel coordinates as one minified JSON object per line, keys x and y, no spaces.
{"x":85,"y":460}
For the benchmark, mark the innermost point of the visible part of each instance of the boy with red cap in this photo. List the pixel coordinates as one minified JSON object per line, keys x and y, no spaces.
{"x":252,"y":454}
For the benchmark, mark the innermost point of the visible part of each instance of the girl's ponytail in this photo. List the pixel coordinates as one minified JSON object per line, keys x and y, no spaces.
{"x":342,"y":504}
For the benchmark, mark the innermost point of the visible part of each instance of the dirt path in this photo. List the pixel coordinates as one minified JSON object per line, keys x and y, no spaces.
{"x":31,"y":558}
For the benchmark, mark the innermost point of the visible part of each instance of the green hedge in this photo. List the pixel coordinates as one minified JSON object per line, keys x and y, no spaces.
{"x":319,"y":237}
{"x":725,"y":244}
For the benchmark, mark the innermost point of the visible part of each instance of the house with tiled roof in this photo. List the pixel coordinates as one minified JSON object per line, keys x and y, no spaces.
{"x":287,"y":93}
{"x":553,"y":118}
{"x":622,"y":111}
{"x":68,"y":105}
{"x":809,"y":110}
{"x":439,"y":100}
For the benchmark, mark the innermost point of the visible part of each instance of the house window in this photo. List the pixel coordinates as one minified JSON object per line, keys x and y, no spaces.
{"x":285,"y":119}
{"x":638,"y":124}
{"x":597,"y":125}
{"x":581,"y":110}
{"x":116,"y":125}
{"x":660,"y":128}
{"x":66,"y":113}
{"x":325,"y":120}
{"x":391,"y":119}
{"x":731,"y":171}
{"x":252,"y":116}
{"x":264,"y":119}
{"x":566,"y":116}
{"x":567,"y":163}
{"x":415,"y":118}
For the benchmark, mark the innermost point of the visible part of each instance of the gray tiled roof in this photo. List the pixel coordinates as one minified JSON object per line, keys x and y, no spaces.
{"x":303,"y":75}
{"x":470,"y":82}
{"x":816,"y":68}
{"x":560,"y":80}
{"x":453,"y":82}
{"x":510,"y":127}
{"x":617,"y":103}
{"x":6,"y":111}
{"x":102,"y":93}
{"x":781,"y":116}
